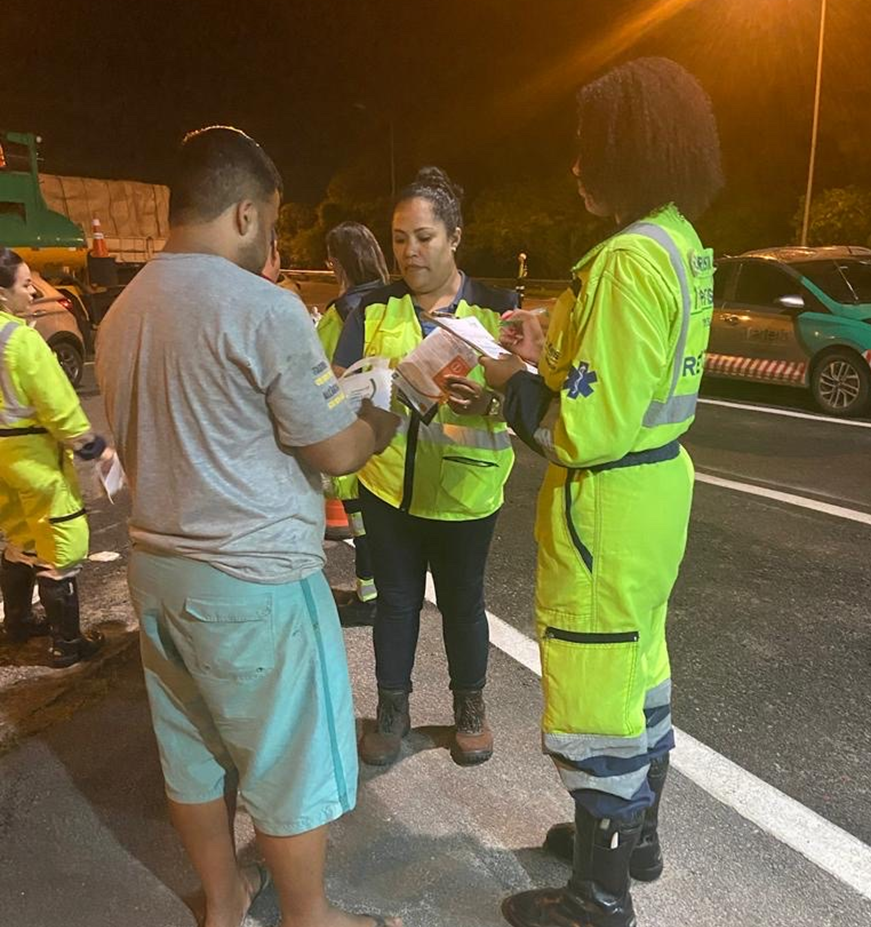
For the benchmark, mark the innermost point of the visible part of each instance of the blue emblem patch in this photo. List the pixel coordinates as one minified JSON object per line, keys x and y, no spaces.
{"x":580,"y":381}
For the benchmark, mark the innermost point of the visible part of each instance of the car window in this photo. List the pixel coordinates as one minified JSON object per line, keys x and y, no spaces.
{"x":858,"y":275}
{"x":722,"y":280}
{"x":827,"y":275}
{"x":763,"y":284}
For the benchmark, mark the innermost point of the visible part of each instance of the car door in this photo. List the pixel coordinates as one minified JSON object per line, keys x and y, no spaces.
{"x":722,"y":343}
{"x":761,"y":317}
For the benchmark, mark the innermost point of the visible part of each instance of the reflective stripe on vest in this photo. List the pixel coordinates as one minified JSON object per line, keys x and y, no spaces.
{"x":675,"y":409}
{"x":12,"y":411}
{"x":450,"y":434}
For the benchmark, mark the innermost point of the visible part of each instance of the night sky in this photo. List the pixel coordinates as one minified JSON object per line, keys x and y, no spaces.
{"x":481,"y":87}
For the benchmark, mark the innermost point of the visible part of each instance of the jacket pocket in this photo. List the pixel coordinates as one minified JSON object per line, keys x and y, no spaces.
{"x":231,"y":638}
{"x":591,"y":683}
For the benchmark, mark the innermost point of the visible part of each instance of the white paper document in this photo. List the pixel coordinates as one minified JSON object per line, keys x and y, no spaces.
{"x":472,"y":332}
{"x":110,"y":475}
{"x":422,"y":375}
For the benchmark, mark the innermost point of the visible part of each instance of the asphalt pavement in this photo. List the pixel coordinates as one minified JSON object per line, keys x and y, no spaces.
{"x":767,"y":819}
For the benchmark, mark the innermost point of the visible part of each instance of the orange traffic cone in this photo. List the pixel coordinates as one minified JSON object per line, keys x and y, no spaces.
{"x":99,"y":248}
{"x":338,"y":528}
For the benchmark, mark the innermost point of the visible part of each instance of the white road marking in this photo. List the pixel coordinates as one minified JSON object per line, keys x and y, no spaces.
{"x":787,"y":413}
{"x":824,"y":844}
{"x":789,"y":498}
{"x":804,"y":502}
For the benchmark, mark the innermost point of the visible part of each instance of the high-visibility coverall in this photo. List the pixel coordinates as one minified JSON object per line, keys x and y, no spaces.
{"x":41,"y":510}
{"x":619,"y":378}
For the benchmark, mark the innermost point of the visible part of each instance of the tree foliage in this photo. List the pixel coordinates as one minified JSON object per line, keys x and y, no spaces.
{"x":839,"y":216}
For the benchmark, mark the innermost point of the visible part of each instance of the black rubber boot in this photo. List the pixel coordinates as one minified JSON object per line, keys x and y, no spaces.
{"x":16,"y":584}
{"x":357,"y":614}
{"x":60,"y":599}
{"x":646,"y":865}
{"x":381,"y":746}
{"x":598,"y":892}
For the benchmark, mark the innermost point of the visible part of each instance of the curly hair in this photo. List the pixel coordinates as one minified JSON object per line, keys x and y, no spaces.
{"x":357,"y":250}
{"x":647,"y":137}
{"x":445,"y":197}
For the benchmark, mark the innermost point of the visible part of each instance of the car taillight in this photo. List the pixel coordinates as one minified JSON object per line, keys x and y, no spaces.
{"x":67,"y":304}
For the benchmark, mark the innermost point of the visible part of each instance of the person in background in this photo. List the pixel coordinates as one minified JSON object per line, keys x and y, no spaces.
{"x":42,"y":514}
{"x":226,"y":413}
{"x":356,"y":259}
{"x":620,"y":369}
{"x":432,"y":499}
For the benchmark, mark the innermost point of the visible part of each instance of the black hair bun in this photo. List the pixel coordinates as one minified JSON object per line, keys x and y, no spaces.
{"x":438,"y":179}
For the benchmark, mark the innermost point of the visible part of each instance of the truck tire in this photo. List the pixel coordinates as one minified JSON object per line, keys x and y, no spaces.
{"x":70,"y":357}
{"x":841,"y":383}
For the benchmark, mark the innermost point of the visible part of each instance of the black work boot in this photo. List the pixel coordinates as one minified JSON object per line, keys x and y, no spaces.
{"x":60,"y":599}
{"x":473,"y":742}
{"x":598,"y":892}
{"x":355,"y":613}
{"x":16,"y":584}
{"x":381,"y":746}
{"x":646,"y":865}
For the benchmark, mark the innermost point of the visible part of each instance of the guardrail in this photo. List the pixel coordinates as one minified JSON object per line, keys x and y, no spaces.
{"x":533,"y":287}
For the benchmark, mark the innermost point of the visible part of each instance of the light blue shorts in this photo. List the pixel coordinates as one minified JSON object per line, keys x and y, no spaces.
{"x":248,"y":684}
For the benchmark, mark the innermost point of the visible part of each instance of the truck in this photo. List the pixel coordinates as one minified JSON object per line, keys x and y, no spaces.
{"x":49,"y":220}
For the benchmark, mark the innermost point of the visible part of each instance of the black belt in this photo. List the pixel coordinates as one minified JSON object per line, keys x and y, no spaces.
{"x":636,"y":458}
{"x":16,"y":432}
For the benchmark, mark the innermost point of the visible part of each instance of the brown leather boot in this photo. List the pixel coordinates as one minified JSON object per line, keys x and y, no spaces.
{"x":474,"y":740}
{"x":381,"y":746}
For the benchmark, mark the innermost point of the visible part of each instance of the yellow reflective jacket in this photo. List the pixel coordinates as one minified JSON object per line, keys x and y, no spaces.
{"x":35,"y":394}
{"x":454,"y":468}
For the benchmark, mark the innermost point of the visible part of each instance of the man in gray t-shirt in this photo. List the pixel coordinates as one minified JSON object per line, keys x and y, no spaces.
{"x":225,"y":413}
{"x":229,"y":377}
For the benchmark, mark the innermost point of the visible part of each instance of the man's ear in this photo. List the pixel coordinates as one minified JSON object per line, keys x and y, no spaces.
{"x":244,"y":217}
{"x":455,"y":238}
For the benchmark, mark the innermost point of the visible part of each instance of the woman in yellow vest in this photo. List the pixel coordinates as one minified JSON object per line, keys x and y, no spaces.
{"x":41,"y":511}
{"x":432,"y":498}
{"x":356,"y":259}
{"x":619,"y":376}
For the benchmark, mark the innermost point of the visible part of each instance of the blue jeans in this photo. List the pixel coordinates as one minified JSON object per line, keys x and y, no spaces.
{"x":403,"y":546}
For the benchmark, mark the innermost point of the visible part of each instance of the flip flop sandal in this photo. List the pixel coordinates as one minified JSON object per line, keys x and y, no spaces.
{"x":265,"y":882}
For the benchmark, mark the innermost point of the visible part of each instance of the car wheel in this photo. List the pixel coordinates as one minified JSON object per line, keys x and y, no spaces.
{"x":69,"y":356}
{"x":841,"y":383}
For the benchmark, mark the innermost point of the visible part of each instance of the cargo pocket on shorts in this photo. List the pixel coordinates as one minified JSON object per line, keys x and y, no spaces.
{"x":590,"y":682}
{"x":231,"y":638}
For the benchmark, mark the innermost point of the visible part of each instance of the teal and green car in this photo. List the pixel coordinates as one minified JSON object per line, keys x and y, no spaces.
{"x":798,"y":317}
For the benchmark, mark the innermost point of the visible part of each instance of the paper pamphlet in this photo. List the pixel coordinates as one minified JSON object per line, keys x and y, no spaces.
{"x":422,"y":376}
{"x":472,"y":332}
{"x":110,"y":475}
{"x":370,"y":378}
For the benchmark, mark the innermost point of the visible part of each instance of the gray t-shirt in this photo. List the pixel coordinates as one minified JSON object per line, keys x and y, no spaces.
{"x":211,"y":377}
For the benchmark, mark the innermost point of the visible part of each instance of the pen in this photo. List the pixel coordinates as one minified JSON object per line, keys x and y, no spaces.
{"x":515,"y":316}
